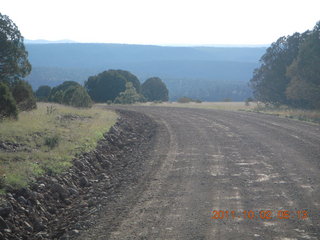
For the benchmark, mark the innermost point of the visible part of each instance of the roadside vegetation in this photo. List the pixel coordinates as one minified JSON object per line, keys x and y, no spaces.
{"x":288,"y":112}
{"x":290,"y":72}
{"x":45,"y":140}
{"x":228,"y":106}
{"x":188,"y":100}
{"x":288,"y":80}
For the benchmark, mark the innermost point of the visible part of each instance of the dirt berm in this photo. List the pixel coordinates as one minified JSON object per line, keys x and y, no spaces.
{"x":60,"y":206}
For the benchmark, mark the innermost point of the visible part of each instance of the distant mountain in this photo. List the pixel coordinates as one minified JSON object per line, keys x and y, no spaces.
{"x":42,"y":41}
{"x":206,"y":73}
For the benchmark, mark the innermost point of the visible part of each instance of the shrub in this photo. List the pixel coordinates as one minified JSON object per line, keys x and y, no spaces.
{"x":154,"y":89}
{"x":80,"y":98}
{"x":129,"y":96}
{"x":8,"y":107}
{"x":105,"y":86}
{"x":71,"y":93}
{"x":23,"y":94}
{"x":51,"y":142}
{"x":187,"y":100}
{"x":184,"y":100}
{"x":57,"y":92}
{"x":51,"y":109}
{"x":43,"y":93}
{"x":248,"y":100}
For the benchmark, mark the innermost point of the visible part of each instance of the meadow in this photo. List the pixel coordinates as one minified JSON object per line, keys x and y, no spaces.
{"x":46,"y":140}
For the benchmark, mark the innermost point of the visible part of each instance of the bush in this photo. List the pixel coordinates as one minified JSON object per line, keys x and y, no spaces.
{"x":43,"y":93}
{"x":154,"y":89}
{"x":129,"y":96}
{"x":8,"y":107}
{"x":185,"y":100}
{"x":80,"y":98}
{"x":248,"y":100}
{"x":71,"y":93}
{"x":51,"y":142}
{"x":23,"y":95}
{"x":105,"y":86}
{"x":61,"y":88}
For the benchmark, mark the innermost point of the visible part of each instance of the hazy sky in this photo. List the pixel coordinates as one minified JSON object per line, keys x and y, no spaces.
{"x":163,"y":22}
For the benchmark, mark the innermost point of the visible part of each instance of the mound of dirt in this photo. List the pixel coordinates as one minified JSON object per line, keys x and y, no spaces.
{"x":60,"y":206}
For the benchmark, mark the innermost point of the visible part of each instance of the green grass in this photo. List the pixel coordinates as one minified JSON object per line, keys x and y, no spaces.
{"x":47,"y":139}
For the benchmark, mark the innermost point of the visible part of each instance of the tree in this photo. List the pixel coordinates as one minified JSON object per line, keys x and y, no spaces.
{"x":76,"y":97}
{"x":14,"y":62}
{"x":105,"y":86}
{"x":43,"y":93}
{"x":129,"y":78}
{"x":70,"y":93}
{"x":129,"y":96}
{"x":23,"y":95}
{"x":57,"y":93}
{"x":8,"y":107}
{"x":154,"y":89}
{"x":304,"y":72}
{"x":269,"y":81}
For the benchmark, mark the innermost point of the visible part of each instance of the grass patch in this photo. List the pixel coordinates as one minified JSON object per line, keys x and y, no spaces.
{"x":287,"y":112}
{"x":45,"y":140}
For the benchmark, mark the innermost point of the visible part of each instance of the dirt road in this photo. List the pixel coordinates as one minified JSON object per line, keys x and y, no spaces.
{"x":211,"y":160}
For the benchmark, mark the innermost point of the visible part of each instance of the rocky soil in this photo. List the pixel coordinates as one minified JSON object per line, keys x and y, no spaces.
{"x":61,"y":206}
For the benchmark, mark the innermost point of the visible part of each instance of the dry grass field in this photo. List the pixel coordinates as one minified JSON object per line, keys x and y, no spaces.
{"x":282,"y":111}
{"x":207,"y":105}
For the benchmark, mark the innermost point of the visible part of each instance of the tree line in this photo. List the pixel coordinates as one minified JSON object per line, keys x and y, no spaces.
{"x":112,"y":86}
{"x":289,"y":73}
{"x":117,"y":86}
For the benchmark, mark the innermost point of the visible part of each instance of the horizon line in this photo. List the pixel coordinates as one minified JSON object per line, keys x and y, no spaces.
{"x":63,"y":41}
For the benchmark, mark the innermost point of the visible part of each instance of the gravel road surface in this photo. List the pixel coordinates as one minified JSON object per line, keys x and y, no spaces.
{"x":222,"y":175}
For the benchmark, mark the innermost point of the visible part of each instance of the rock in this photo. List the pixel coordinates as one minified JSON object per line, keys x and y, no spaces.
{"x":60,"y":190}
{"x":28,"y":227}
{"x":5,"y":210}
{"x":79,"y":165}
{"x":3,"y":224}
{"x":84,"y":182}
{"x":41,"y":186}
{"x":65,"y":237}
{"x":7,"y":230}
{"x":73,"y":191}
{"x":38,"y":225}
{"x":52,"y":210}
{"x":74,"y":232}
{"x":25,"y":192}
{"x":22,"y":200}
{"x":42,"y":235}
